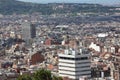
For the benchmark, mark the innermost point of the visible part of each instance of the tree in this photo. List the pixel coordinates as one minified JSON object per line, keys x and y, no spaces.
{"x":42,"y":74}
{"x":24,"y":77}
{"x":56,"y":78}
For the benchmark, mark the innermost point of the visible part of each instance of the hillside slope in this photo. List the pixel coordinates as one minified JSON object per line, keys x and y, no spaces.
{"x":14,"y":6}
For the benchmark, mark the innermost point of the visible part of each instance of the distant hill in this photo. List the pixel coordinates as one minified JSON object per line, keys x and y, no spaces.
{"x":14,"y":6}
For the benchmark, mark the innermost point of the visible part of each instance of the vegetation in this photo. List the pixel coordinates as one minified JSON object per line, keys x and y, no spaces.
{"x":14,"y":6}
{"x":41,"y":74}
{"x":24,"y":77}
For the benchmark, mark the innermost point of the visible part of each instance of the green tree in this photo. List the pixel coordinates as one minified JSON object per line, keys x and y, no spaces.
{"x":24,"y":77}
{"x":43,"y":74}
{"x":56,"y":78}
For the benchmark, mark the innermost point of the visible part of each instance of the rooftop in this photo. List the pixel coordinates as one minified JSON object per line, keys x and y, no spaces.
{"x":75,"y":53}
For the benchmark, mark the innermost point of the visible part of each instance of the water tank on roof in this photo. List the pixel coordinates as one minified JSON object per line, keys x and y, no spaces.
{"x":73,"y":52}
{"x":80,"y":51}
{"x":66,"y":51}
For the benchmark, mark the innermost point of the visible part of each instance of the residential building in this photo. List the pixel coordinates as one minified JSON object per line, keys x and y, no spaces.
{"x":28,"y":32}
{"x":74,"y":64}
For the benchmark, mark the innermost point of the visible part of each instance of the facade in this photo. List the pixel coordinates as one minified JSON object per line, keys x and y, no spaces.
{"x":28,"y":31}
{"x":74,"y":64}
{"x":37,"y":58}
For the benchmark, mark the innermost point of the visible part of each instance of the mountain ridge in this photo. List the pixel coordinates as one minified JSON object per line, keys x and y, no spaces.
{"x":8,"y":7}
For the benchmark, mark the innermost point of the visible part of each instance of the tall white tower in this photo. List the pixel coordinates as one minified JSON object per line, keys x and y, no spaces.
{"x":75,"y":64}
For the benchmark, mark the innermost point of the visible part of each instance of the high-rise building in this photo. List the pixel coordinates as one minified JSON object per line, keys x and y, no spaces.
{"x":74,"y":64}
{"x":28,"y":31}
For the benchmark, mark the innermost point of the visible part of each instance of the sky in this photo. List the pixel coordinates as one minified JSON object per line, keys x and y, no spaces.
{"x":75,"y":1}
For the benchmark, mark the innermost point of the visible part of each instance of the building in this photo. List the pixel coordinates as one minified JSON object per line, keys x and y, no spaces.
{"x":37,"y":58}
{"x":28,"y":31}
{"x":74,"y":64}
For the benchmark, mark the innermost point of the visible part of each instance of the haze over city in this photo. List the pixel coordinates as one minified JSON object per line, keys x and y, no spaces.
{"x":59,"y":39}
{"x":75,"y":1}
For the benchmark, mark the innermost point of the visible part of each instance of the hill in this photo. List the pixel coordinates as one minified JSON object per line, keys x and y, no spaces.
{"x":14,"y":6}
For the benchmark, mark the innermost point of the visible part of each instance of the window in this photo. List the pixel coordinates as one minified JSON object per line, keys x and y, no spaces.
{"x":77,"y":59}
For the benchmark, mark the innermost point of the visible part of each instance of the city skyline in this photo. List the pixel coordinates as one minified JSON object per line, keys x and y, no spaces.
{"x":75,"y":1}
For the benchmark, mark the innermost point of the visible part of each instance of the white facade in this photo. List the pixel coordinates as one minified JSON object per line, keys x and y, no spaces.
{"x":102,"y":35}
{"x":74,"y":65}
{"x":95,"y":47}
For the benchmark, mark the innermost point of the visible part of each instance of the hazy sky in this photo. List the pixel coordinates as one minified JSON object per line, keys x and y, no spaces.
{"x":76,"y":1}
